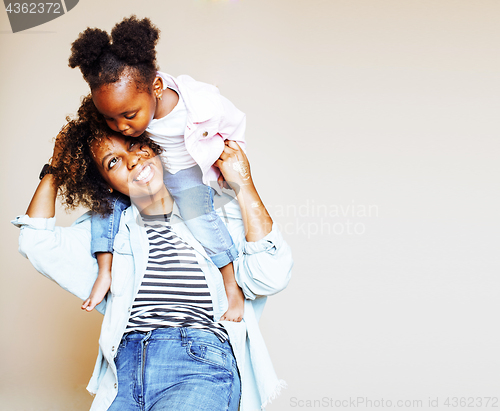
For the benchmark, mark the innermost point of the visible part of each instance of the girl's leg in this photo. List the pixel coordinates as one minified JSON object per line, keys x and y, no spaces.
{"x":195,"y":202}
{"x":104,"y":228}
{"x":102,"y":283}
{"x":103,"y":232}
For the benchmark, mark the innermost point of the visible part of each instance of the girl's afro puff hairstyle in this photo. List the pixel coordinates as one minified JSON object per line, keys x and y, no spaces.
{"x":75,"y":173}
{"x":103,"y":58}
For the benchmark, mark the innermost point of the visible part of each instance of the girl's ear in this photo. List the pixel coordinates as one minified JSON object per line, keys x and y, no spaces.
{"x":158,"y":87}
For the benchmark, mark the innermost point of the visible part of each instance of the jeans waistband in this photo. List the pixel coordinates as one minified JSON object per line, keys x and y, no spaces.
{"x":176,"y":333}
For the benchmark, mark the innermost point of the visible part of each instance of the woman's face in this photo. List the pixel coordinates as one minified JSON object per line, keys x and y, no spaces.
{"x":130,"y":168}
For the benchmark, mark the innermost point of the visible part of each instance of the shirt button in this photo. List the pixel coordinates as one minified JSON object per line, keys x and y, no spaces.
{"x":116,"y":385}
{"x":205,"y":134}
{"x":113,"y":348}
{"x":129,"y":310}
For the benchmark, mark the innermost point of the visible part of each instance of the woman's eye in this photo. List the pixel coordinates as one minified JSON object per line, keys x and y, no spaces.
{"x":112,"y":162}
{"x":130,"y":117}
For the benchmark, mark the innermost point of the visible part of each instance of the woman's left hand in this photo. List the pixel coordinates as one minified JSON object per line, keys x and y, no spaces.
{"x":234,"y":166}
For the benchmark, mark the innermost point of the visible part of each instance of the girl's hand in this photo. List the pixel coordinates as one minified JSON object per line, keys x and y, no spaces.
{"x":234,"y":166}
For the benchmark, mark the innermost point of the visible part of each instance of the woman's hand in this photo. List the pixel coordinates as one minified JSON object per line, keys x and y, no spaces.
{"x":234,"y":166}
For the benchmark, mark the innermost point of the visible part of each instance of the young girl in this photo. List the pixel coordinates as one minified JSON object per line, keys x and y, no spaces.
{"x":190,"y":120}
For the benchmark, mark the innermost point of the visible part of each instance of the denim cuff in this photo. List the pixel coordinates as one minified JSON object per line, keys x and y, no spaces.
{"x":101,"y":245}
{"x":224,"y":258}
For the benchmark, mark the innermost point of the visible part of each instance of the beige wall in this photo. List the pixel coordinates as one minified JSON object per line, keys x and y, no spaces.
{"x":373,"y":137}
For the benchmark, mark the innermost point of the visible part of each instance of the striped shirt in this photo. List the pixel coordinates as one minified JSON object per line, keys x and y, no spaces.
{"x":174,"y":291}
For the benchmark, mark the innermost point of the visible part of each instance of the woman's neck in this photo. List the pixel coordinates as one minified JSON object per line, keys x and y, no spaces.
{"x":159,"y":204}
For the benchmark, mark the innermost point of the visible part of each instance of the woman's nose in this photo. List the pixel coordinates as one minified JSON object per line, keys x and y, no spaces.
{"x":133,"y":159}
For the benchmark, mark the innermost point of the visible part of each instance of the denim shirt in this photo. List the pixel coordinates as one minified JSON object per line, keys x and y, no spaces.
{"x":262,"y":268}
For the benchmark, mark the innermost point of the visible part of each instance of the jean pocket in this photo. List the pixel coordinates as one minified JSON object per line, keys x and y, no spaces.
{"x":120,"y":353}
{"x":209,"y":354}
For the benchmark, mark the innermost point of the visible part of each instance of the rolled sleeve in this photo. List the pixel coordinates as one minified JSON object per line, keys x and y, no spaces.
{"x":264,"y":267}
{"x":35,"y":223}
{"x":61,"y":254}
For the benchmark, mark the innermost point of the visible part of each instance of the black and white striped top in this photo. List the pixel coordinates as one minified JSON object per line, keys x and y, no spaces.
{"x":174,"y":291}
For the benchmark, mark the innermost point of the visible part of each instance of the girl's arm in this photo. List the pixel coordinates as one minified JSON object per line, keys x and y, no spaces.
{"x":235,"y":168}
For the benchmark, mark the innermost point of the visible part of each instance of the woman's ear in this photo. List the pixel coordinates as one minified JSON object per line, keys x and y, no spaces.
{"x":158,"y":87}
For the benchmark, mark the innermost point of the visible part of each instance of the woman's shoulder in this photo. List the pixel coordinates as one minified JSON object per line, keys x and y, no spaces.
{"x":83,"y":219}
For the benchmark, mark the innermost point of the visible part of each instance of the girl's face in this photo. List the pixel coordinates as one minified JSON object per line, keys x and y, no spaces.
{"x":126,"y":108}
{"x":130,"y":168}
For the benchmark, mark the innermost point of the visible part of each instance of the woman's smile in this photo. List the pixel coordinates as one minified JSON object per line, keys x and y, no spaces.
{"x":145,"y":174}
{"x":129,"y":167}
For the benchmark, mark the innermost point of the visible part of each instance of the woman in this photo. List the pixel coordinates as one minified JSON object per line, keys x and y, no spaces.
{"x":150,"y":360}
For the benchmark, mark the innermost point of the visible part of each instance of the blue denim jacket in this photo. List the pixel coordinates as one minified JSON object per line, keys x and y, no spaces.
{"x":262,"y":268}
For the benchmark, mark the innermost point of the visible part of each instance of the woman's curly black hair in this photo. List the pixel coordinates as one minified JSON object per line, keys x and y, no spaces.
{"x":103,"y":58}
{"x":75,"y":173}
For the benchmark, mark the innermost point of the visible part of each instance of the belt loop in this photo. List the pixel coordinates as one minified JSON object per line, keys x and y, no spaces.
{"x":183,"y":336}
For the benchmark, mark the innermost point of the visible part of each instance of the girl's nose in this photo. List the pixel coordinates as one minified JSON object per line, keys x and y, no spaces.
{"x":122,"y":126}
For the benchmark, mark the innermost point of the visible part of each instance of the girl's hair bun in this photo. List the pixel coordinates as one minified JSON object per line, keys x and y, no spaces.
{"x":87,"y":50}
{"x":103,"y":62}
{"x":134,"y":41}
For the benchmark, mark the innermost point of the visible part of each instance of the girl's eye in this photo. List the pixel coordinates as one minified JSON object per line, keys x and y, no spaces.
{"x":130,"y":117}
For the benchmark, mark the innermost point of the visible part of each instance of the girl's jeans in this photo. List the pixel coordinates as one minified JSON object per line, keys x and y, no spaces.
{"x":195,"y":202}
{"x":181,"y":369}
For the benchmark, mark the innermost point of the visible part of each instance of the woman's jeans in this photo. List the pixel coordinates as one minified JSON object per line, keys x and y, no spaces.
{"x":181,"y":369}
{"x":195,"y":202}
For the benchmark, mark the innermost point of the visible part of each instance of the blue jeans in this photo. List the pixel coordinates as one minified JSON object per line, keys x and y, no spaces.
{"x":181,"y":369}
{"x":196,"y":205}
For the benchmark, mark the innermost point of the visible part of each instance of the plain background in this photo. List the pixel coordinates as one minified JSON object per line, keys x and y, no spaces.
{"x":373,"y":135}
